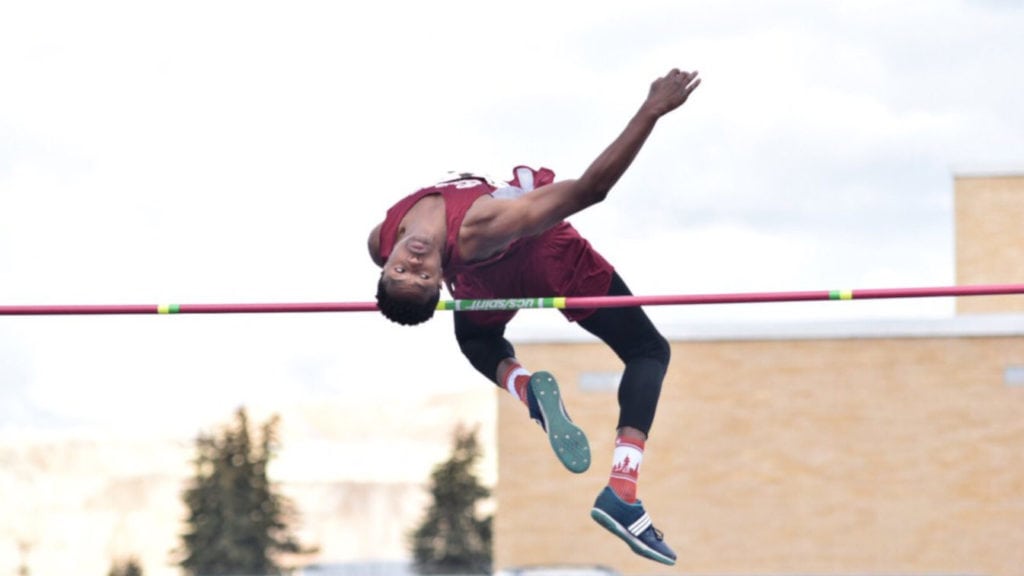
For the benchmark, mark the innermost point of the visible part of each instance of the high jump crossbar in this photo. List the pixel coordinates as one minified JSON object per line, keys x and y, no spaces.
{"x":557,"y":302}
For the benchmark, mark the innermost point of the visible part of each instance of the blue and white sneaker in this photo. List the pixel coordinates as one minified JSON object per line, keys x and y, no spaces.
{"x":567,"y":439}
{"x":631,"y":523}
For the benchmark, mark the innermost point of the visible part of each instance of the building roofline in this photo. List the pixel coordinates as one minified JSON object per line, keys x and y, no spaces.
{"x":990,"y":172}
{"x":962,"y":326}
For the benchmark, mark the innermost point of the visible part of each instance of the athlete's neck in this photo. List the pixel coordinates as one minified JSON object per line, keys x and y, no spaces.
{"x":425,"y":219}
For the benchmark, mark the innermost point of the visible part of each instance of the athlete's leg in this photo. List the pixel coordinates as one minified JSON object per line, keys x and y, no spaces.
{"x":494,"y":356}
{"x":643,"y":350}
{"x":645,"y":353}
{"x":485,"y":347}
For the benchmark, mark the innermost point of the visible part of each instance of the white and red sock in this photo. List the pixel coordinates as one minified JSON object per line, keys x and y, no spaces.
{"x":629,"y":453}
{"x":515,"y":380}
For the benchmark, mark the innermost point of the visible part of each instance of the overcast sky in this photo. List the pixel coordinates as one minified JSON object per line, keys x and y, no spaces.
{"x":241,"y":151}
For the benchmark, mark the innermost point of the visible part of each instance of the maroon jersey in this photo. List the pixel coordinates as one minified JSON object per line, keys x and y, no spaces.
{"x":557,"y":262}
{"x":458,"y":196}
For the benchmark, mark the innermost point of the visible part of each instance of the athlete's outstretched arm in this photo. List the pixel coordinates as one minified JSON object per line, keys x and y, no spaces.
{"x":666,"y":94}
{"x":533,"y":213}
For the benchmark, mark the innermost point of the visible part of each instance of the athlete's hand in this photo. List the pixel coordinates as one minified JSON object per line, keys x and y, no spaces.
{"x":670,"y":91}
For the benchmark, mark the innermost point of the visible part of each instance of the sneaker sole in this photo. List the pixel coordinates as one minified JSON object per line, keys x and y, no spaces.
{"x":605,"y":520}
{"x":567,"y":439}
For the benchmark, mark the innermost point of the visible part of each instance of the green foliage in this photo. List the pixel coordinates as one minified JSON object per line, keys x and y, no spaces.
{"x":237,"y":521}
{"x":126,"y":567}
{"x":452,"y":539}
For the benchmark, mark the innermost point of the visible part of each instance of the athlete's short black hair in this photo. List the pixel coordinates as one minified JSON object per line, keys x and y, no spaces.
{"x":404,"y":311}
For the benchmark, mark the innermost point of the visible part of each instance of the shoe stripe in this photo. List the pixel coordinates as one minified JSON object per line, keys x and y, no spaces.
{"x":642,"y":523}
{"x":561,"y":407}
{"x":637,"y":545}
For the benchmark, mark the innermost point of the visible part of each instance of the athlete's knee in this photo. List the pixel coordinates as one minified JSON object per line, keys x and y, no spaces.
{"x":485,"y":354}
{"x":651,"y":347}
{"x":657,"y":347}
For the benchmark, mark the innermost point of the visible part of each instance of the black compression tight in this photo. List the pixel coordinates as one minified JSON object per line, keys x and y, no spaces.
{"x":644,"y":351}
{"x":628,"y":331}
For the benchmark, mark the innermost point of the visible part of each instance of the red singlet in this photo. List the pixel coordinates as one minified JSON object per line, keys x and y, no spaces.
{"x":557,"y":262}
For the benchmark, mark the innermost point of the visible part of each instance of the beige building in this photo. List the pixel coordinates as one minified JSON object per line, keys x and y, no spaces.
{"x":890,"y":447}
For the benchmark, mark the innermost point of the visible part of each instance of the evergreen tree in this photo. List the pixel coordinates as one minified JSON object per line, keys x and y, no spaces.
{"x":237,"y":521}
{"x":126,"y":567}
{"x":452,"y":539}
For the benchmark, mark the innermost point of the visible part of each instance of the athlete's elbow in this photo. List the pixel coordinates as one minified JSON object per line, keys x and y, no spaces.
{"x":592,"y":191}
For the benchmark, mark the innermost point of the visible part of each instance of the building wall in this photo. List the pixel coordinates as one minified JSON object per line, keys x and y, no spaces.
{"x":990,"y":238}
{"x":896,"y":456}
{"x":796,"y":455}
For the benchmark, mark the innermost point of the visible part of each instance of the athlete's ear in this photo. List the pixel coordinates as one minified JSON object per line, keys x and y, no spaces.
{"x":373,"y":245}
